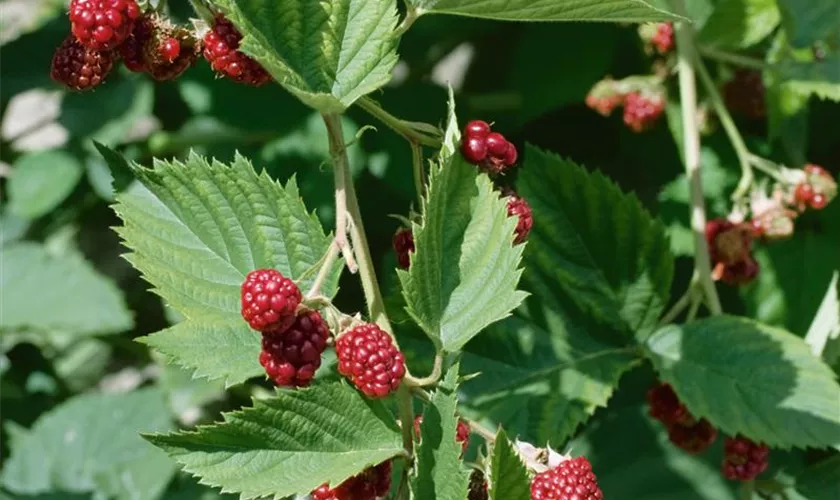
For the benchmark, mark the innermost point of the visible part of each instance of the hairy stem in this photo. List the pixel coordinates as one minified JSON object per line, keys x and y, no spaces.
{"x":410,"y":131}
{"x":691,"y":145}
{"x":736,"y":59}
{"x":324,"y":272}
{"x":346,"y":193}
{"x":482,"y":431}
{"x":730,"y":129}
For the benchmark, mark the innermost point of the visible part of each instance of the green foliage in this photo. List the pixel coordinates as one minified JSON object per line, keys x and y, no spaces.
{"x":508,"y":476}
{"x":327,"y":55}
{"x":465,"y":269}
{"x":290,"y":443}
{"x":195,"y":232}
{"x":765,"y":384}
{"x":91,"y":444}
{"x":439,"y":471}
{"x":739,"y":24}
{"x":550,"y":10}
{"x":808,"y":21}
{"x":41,"y":182}
{"x":42,"y":293}
{"x":594,"y":244}
{"x":818,"y":482}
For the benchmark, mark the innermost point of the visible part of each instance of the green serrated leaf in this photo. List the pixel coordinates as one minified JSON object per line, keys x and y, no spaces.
{"x":291,"y":443}
{"x":543,"y":372}
{"x":738,"y":24}
{"x":594,"y":244}
{"x":550,"y":10}
{"x":808,"y":21}
{"x":440,"y":474}
{"x":195,"y":232}
{"x":41,"y":181}
{"x":826,"y":323}
{"x":81,"y":301}
{"x":508,"y":476}
{"x":328,"y":54}
{"x":819,"y":481}
{"x":120,"y":169}
{"x":820,"y":78}
{"x":91,"y":444}
{"x":751,"y":379}
{"x":465,"y":269}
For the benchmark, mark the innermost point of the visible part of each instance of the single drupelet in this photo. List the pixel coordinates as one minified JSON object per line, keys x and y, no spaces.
{"x":368,"y":357}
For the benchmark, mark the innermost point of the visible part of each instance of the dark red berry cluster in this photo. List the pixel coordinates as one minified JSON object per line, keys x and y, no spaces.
{"x":462,"y":431}
{"x":403,"y":243}
{"x":489,"y":150}
{"x":744,"y":94}
{"x":102,"y":24}
{"x":292,"y":340}
{"x":684,"y":430}
{"x":730,"y":250}
{"x":368,"y":357}
{"x":370,"y":484}
{"x":478,"y":486}
{"x":78,"y":67}
{"x":221,"y":49}
{"x":573,"y":479}
{"x":643,"y":107}
{"x":743,"y":459}
{"x":519,"y":208}
{"x":158,"y":48}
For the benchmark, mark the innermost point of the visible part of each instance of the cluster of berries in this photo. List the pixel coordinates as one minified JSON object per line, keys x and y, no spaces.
{"x":294,"y":338}
{"x":370,"y":484}
{"x":657,"y":37}
{"x":815,"y":190}
{"x":684,"y":430}
{"x":644,"y":102}
{"x":744,"y":94}
{"x":495,"y":155}
{"x":105,"y":31}
{"x":572,"y":479}
{"x":743,"y":459}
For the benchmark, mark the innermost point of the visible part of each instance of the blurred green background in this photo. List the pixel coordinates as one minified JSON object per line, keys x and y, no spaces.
{"x":71,"y":306}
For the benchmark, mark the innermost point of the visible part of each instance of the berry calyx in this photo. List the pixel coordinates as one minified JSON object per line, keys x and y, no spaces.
{"x":78,"y":67}
{"x":403,"y":243}
{"x":462,"y":431}
{"x":368,"y":357}
{"x":642,"y":110}
{"x":221,"y":49}
{"x":170,"y":49}
{"x":269,"y":301}
{"x":292,"y":358}
{"x":743,"y":459}
{"x":665,"y":406}
{"x":730,"y":249}
{"x":573,"y":479}
{"x":370,"y":484}
{"x":604,"y":97}
{"x":519,"y":208}
{"x":102,"y":24}
{"x":489,"y":150}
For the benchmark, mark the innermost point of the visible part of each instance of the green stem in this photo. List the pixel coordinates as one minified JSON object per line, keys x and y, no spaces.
{"x":344,"y":185}
{"x":482,"y":431}
{"x":731,"y":131}
{"x":736,"y":59}
{"x":768,"y":167}
{"x":324,"y":271}
{"x":408,"y":130}
{"x":405,"y":412}
{"x":419,"y":172}
{"x":678,"y":307}
{"x":411,"y":14}
{"x":431,"y":379}
{"x":691,"y":146}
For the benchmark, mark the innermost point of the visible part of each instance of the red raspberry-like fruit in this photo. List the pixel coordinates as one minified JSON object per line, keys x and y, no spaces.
{"x":157,"y":47}
{"x":743,"y":459}
{"x":403,"y":243}
{"x":477,"y":128}
{"x":518,"y":207}
{"x":730,"y":249}
{"x":370,"y":484}
{"x":573,"y":479}
{"x":641,"y":112}
{"x":221,"y":49}
{"x":489,"y":150}
{"x":665,"y":406}
{"x":292,"y":358}
{"x":170,"y":49}
{"x":368,"y":357}
{"x":663,"y":39}
{"x":694,"y":438}
{"x":478,"y":486}
{"x":744,"y":94}
{"x":269,"y":301}
{"x":102,"y":24}
{"x":462,"y":431}
{"x":496,"y":144}
{"x":79,"y":67}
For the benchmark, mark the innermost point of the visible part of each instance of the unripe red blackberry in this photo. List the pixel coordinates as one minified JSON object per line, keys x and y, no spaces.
{"x":370,"y":484}
{"x":462,"y":431}
{"x":291,"y":359}
{"x":169,"y":49}
{"x":665,"y":406}
{"x":368,"y":357}
{"x":474,"y":149}
{"x":496,"y":144}
{"x":159,"y":48}
{"x":269,"y":301}
{"x":221,"y":49}
{"x":102,"y":24}
{"x":730,"y":250}
{"x":573,"y":479}
{"x":693,"y":438}
{"x":519,"y":208}
{"x":743,"y":459}
{"x":816,"y":189}
{"x":403,"y":243}
{"x":78,"y":67}
{"x":642,"y":111}
{"x":489,"y":150}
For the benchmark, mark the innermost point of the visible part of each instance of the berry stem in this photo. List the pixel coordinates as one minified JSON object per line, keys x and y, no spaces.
{"x":678,"y":307}
{"x":482,"y":431}
{"x":348,"y":205}
{"x":691,"y":146}
{"x":419,"y":172}
{"x":768,"y":167}
{"x":736,"y":59}
{"x":731,"y":130}
{"x":431,"y":379}
{"x":412,"y":13}
{"x":324,"y":271}
{"x":420,"y":133}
